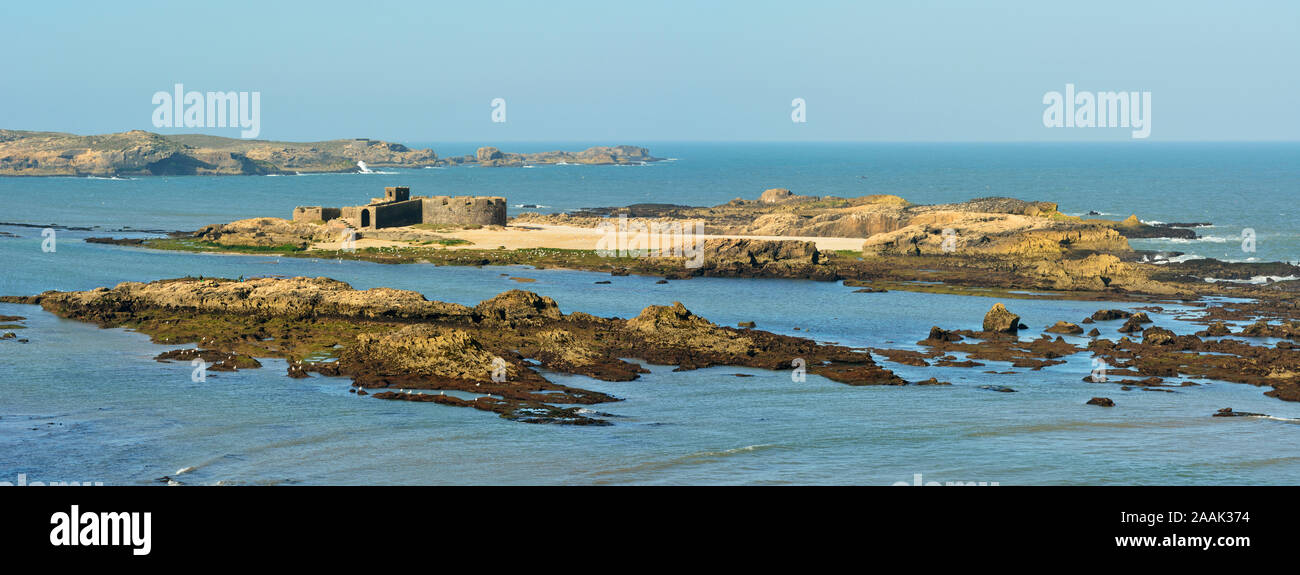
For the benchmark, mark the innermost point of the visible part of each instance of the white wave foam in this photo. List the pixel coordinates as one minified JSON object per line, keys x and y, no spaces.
{"x":1209,"y":239}
{"x":1178,"y":259}
{"x":733,"y":451}
{"x":1256,"y":280}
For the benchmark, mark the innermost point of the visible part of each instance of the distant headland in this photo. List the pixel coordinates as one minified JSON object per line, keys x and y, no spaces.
{"x":140,"y":153}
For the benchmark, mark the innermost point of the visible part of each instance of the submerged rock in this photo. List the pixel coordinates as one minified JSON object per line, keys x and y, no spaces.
{"x":1110,"y":314}
{"x":1228,"y":412}
{"x":1157,"y":336}
{"x":1101,"y":401}
{"x":1065,"y":327}
{"x":1134,"y":323}
{"x":939,"y":334}
{"x":214,"y":360}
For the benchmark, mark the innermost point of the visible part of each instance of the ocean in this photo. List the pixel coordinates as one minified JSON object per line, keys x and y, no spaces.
{"x":79,"y":403}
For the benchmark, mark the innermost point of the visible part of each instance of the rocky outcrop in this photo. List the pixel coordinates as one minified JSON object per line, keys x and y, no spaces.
{"x":1065,"y":327}
{"x":267,"y":233}
{"x":294,"y":298}
{"x":740,"y":257}
{"x":780,"y":196}
{"x":999,"y":320}
{"x":1110,"y":314}
{"x":491,"y":157}
{"x":140,"y":153}
{"x":401,"y":343}
{"x":518,"y":306}
{"x":1100,"y":272}
{"x":676,"y":327}
{"x":422,"y":350}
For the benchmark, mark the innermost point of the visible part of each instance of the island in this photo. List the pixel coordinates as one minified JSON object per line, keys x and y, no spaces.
{"x":141,"y":153}
{"x":395,"y":345}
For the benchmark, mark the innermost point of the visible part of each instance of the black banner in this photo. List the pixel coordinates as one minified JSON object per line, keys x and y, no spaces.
{"x":182,"y":523}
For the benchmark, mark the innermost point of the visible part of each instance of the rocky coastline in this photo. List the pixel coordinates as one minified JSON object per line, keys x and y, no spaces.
{"x":396,"y":345}
{"x":990,"y":246}
{"x":141,"y":153}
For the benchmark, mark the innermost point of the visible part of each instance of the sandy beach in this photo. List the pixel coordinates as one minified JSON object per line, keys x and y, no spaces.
{"x":514,"y":237}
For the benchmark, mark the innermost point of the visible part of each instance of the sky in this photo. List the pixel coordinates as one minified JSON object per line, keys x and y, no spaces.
{"x":634,"y":72}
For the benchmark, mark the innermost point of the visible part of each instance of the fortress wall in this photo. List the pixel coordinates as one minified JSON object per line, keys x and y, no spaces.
{"x":405,"y":213}
{"x":383,"y":213}
{"x":464,"y":210}
{"x":315,"y":213}
{"x":351,"y":215}
{"x":374,"y":216}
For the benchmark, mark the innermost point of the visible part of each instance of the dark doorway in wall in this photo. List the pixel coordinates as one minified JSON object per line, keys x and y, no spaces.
{"x":365,"y":218}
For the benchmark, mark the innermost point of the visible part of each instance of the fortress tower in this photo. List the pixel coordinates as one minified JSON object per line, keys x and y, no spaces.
{"x":397,"y":208}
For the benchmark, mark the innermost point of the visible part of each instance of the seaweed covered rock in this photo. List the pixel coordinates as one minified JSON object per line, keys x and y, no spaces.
{"x":519,"y":306}
{"x":421,"y":350}
{"x":675,"y":326}
{"x":1065,"y":327}
{"x":999,"y":320}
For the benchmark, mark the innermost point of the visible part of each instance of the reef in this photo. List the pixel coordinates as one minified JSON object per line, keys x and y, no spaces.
{"x":397,"y":345}
{"x":1146,"y":361}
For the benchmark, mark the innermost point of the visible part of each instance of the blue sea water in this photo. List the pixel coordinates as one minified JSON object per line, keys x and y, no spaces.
{"x":79,"y":403}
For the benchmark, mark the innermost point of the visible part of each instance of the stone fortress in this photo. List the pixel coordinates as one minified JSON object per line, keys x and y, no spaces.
{"x":397,"y":208}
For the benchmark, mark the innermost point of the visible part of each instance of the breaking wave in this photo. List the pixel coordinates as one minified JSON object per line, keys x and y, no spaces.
{"x":1256,"y":280}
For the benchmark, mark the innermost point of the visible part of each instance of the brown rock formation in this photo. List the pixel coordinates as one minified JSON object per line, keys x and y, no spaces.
{"x":144,"y":153}
{"x":397,"y":340}
{"x":999,"y":320}
{"x":1065,"y":327}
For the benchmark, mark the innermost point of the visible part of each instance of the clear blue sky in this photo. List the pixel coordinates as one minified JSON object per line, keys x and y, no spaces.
{"x":632,"y":72}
